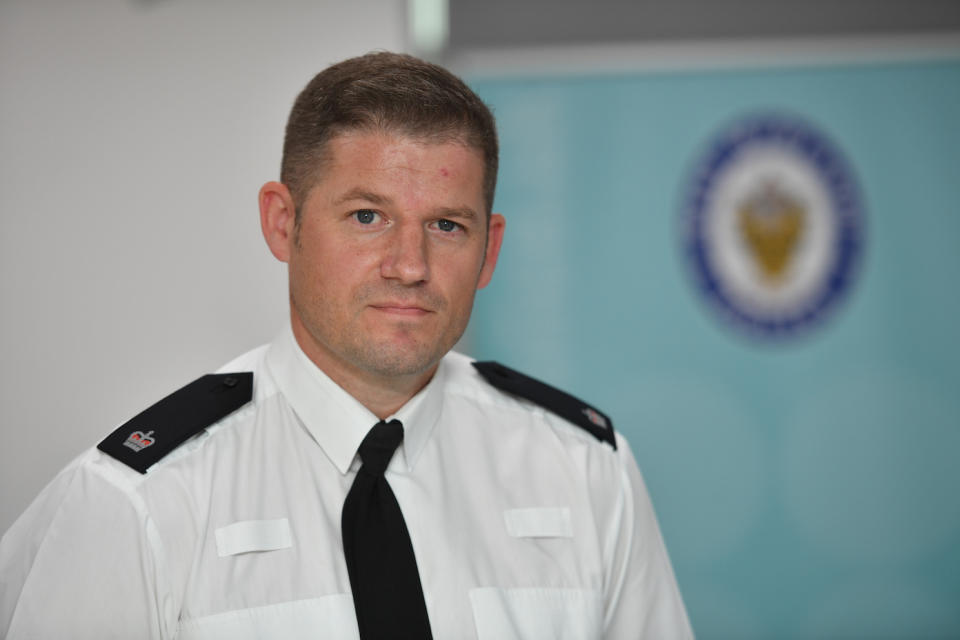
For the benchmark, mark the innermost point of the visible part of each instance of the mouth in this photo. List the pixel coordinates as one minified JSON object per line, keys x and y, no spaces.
{"x":401,"y":309}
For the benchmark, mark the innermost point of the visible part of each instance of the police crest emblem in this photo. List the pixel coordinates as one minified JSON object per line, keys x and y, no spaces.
{"x":772,"y":225}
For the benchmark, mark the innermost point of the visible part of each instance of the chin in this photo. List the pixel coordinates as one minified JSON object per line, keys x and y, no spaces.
{"x":394,"y":360}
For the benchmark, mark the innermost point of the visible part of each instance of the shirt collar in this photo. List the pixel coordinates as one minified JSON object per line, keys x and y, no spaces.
{"x":335,"y":419}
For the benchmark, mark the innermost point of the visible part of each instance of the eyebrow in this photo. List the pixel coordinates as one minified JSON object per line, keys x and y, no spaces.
{"x":362,"y":194}
{"x":463,"y":213}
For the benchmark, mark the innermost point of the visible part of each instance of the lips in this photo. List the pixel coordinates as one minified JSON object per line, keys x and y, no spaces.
{"x":400,"y":308}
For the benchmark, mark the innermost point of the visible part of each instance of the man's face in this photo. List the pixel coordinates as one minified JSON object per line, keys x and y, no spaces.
{"x":392,"y":244}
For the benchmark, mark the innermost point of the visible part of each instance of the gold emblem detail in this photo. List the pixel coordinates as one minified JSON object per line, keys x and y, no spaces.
{"x":772,"y":223}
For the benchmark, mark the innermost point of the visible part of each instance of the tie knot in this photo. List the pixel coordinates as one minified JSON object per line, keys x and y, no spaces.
{"x":378,"y":447}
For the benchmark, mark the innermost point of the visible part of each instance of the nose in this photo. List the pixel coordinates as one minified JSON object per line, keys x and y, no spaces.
{"x":405,"y":259}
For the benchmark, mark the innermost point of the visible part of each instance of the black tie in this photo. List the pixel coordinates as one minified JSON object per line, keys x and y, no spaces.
{"x":386,"y":587}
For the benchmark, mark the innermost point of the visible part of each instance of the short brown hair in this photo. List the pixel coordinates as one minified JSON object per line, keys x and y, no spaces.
{"x":387,"y":92}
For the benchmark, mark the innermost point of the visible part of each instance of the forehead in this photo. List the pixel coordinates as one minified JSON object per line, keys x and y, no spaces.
{"x":395,"y":160}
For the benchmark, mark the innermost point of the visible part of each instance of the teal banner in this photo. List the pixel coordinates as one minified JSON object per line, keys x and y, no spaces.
{"x":773,"y":324}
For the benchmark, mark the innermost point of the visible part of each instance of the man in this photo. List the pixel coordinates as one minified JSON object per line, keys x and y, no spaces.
{"x":355,"y":478}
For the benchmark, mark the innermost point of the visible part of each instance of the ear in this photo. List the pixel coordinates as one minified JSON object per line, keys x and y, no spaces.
{"x":277,"y":219}
{"x":494,"y":240}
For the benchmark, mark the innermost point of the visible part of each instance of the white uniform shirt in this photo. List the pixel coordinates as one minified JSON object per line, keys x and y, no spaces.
{"x":523,"y":525}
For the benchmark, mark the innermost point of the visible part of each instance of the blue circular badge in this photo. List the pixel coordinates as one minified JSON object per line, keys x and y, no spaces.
{"x":773,"y":225}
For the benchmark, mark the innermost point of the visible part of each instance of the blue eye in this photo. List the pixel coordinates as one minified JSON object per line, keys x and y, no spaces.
{"x":446,"y":225}
{"x":366,"y":216}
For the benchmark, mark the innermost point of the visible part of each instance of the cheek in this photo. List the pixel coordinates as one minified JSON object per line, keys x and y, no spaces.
{"x":333,"y":271}
{"x":318,"y":252}
{"x":310,"y":272}
{"x":460,"y":284}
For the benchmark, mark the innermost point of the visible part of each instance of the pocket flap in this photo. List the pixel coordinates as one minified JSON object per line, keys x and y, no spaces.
{"x":253,"y":535}
{"x":539,"y":522}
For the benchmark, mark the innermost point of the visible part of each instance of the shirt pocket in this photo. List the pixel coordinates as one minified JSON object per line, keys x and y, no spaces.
{"x":330,"y":617}
{"x":536,"y":614}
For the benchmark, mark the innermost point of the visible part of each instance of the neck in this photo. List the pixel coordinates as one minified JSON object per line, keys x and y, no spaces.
{"x":383,"y":395}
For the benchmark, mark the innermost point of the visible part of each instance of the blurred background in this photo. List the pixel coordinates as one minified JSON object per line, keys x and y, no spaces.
{"x":734,"y":225}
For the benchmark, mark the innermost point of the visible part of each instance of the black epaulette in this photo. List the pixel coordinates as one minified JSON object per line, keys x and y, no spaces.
{"x":559,"y":402}
{"x":155,"y":432}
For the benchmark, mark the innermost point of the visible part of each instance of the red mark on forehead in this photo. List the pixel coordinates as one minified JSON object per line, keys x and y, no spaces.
{"x":444,"y":172}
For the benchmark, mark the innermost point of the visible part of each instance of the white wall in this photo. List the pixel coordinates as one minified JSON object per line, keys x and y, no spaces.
{"x":134,"y":136}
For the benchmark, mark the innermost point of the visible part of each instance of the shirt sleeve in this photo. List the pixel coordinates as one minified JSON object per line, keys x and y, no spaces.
{"x":641,"y":597}
{"x":84,"y":562}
